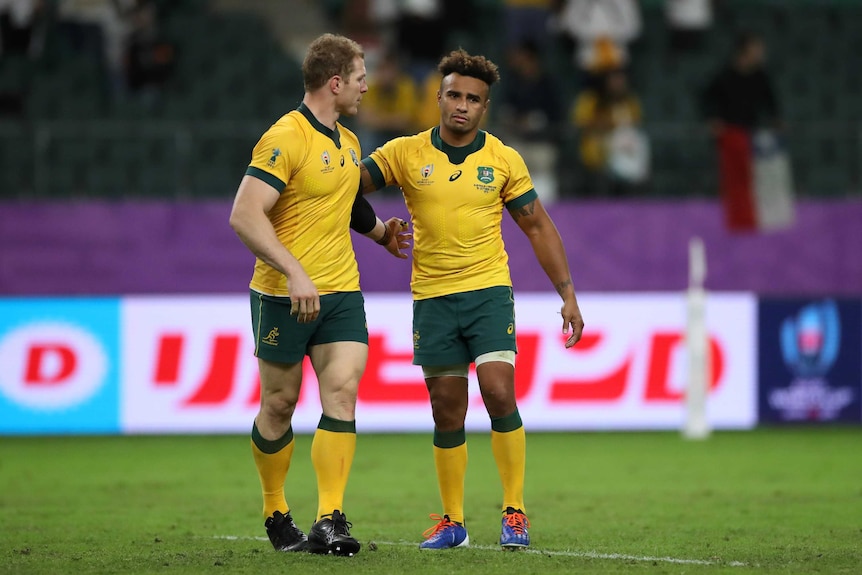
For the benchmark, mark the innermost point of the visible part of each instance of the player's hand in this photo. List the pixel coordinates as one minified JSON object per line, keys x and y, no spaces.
{"x":573,"y":320}
{"x":400,"y":237}
{"x":304,"y":299}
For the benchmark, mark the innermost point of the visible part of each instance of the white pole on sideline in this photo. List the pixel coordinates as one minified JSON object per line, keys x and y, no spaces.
{"x":696,"y":425}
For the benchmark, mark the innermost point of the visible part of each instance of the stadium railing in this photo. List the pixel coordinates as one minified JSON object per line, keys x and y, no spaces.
{"x":169,"y":159}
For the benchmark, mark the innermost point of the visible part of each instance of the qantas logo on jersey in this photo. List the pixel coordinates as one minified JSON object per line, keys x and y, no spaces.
{"x":455,"y":176}
{"x":354,"y":157}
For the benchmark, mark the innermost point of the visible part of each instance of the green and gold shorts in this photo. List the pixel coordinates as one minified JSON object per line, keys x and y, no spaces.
{"x":457,"y":328}
{"x":279,"y":337}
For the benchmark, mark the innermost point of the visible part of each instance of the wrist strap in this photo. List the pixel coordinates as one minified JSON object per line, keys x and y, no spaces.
{"x":387,"y":236}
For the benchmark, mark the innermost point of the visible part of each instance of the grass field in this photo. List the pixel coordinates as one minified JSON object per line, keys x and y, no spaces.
{"x":769,"y":501}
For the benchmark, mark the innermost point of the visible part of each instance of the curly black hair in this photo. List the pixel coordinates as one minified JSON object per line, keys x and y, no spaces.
{"x":460,"y":62}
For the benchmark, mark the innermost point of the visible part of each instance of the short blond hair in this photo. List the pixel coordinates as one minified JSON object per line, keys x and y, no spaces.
{"x":327,"y":56}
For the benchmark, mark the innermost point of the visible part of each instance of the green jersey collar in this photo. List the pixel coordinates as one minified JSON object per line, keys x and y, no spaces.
{"x":457,"y":155}
{"x":333,"y":135}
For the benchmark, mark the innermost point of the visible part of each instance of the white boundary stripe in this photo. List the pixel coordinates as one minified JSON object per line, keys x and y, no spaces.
{"x":584,"y":554}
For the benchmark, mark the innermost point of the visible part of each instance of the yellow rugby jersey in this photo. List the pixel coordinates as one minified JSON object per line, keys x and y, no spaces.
{"x":455,"y":197}
{"x":316,"y":171}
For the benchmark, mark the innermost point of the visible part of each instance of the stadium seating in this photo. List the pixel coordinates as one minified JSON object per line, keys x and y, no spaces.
{"x":232,"y":79}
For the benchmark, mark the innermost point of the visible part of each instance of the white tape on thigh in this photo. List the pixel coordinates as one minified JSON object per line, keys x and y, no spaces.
{"x":508,"y":356}
{"x":446,"y":370}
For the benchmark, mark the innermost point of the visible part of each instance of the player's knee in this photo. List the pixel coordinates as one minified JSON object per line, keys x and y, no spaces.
{"x":342,"y":390}
{"x":338,"y":398}
{"x":500,"y":406}
{"x":343,"y":411}
{"x":278,"y":407}
{"x":499,"y":398}
{"x":447,"y":419}
{"x":449,"y":410}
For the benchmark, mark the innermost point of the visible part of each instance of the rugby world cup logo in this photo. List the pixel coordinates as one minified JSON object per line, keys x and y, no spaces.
{"x":325,"y":157}
{"x":810,"y":341}
{"x":427,"y":171}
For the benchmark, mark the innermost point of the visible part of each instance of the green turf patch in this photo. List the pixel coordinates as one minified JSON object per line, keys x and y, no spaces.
{"x":769,"y":501}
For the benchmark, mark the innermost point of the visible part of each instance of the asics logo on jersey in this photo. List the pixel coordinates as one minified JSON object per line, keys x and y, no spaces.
{"x":342,"y":160}
{"x":455,"y":176}
{"x":510,"y":329}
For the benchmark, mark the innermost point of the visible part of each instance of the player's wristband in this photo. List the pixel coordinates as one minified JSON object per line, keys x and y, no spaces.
{"x":387,"y":236}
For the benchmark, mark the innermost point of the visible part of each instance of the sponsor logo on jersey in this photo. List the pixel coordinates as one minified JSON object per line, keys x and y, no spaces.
{"x":485,"y":175}
{"x":272,"y":159}
{"x":354,"y":157}
{"x":416,"y":339}
{"x":342,"y":160}
{"x":455,"y":176}
{"x":511,"y":329}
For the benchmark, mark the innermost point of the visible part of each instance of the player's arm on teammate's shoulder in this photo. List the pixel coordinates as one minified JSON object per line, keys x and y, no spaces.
{"x":249,"y":219}
{"x":392,"y":234}
{"x":366,"y":181}
{"x":547,"y":244}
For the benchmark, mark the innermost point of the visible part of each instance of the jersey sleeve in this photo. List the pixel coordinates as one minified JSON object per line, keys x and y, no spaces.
{"x":518,"y":191}
{"x":382,"y":164}
{"x":275,"y":155}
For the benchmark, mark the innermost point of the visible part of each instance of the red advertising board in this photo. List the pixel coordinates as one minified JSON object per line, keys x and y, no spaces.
{"x":187,"y":365}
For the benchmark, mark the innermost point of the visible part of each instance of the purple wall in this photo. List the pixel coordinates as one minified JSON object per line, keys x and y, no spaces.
{"x":116,"y":248}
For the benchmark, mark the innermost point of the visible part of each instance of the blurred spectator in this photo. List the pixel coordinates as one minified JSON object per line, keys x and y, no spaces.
{"x":530,"y":115}
{"x":527,"y":20}
{"x":601,"y":30}
{"x":743,"y":114}
{"x":388,"y":108}
{"x":424,"y":29}
{"x":421,"y":34}
{"x":613,"y":149}
{"x":100,"y":28}
{"x":19,"y":26}
{"x":427,"y":110}
{"x":149,"y":57}
{"x":20,"y":41}
{"x":741,"y":93}
{"x":688,"y":21}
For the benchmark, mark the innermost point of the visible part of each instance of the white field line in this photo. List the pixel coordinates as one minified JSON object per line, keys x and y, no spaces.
{"x":584,"y":554}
